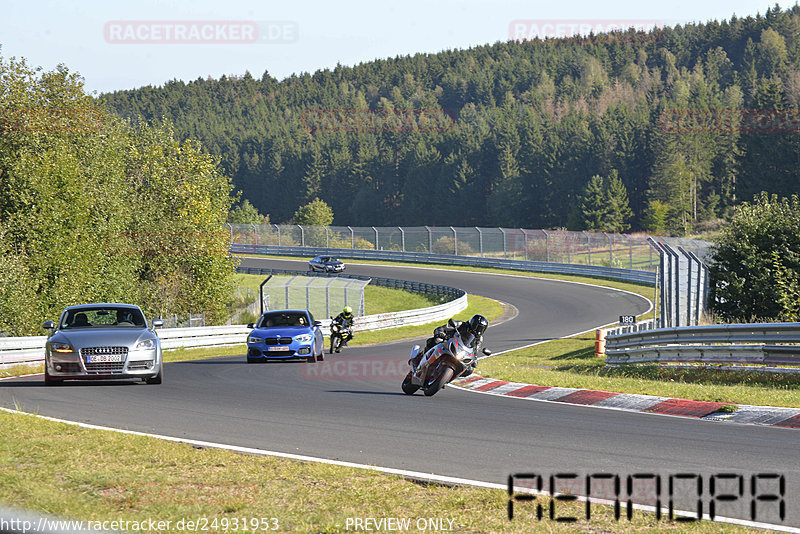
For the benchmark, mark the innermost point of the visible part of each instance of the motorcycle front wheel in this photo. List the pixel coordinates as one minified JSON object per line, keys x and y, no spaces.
{"x":408,"y":387}
{"x":437,"y":383}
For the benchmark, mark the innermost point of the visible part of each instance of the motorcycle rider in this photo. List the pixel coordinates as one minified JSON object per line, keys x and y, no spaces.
{"x":471,"y":333}
{"x":345,"y":319}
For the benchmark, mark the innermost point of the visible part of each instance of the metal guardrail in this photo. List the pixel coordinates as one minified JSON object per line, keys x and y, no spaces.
{"x":647,"y":324}
{"x":610,"y":273}
{"x":30,"y":349}
{"x":768,"y":344}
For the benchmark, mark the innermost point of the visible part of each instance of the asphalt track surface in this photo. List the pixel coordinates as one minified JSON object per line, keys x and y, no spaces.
{"x":351,"y":408}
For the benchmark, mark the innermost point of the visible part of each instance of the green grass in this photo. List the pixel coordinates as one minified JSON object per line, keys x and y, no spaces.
{"x":79,"y":473}
{"x":571,"y":363}
{"x":19,"y":370}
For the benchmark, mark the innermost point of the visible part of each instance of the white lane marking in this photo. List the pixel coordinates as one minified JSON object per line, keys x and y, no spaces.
{"x":404,"y":473}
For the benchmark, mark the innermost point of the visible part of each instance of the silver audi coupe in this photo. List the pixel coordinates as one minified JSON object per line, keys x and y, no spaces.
{"x":102,"y":341}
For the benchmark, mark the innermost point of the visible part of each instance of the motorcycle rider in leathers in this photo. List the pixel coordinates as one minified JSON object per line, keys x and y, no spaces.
{"x":345,"y":319}
{"x":471,"y":332}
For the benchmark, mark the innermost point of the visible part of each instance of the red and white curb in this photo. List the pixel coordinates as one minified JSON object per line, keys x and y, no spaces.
{"x":760,"y":415}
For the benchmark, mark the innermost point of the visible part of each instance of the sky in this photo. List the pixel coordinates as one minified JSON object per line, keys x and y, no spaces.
{"x":116,"y":45}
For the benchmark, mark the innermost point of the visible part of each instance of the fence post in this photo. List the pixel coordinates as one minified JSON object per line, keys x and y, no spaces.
{"x":278,"y":228}
{"x":231,"y":227}
{"x":402,"y":238}
{"x":352,"y":238}
{"x":569,"y":242}
{"x":327,"y":238}
{"x":610,"y":249}
{"x":302,"y":236}
{"x":376,"y":237}
{"x":430,"y":240}
{"x":328,"y":297}
{"x":480,"y":240}
{"x":524,"y":233}
{"x":505,"y":244}
{"x":255,"y":234}
{"x":547,"y":245}
{"x":455,"y":242}
{"x":588,"y":247}
{"x":689,"y":303}
{"x":630,"y":250}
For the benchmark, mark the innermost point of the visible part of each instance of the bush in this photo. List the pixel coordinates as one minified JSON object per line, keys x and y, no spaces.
{"x":756,"y":261}
{"x":447,"y":245}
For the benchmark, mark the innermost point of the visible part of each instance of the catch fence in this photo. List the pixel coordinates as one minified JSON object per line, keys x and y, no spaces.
{"x":630,"y":251}
{"x":322,"y":296}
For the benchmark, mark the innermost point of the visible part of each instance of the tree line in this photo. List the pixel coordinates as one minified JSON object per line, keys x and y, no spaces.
{"x":94,"y":209}
{"x":677,"y":126}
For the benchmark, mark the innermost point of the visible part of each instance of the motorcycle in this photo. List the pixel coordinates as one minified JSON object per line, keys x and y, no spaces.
{"x":444,"y":362}
{"x":339,"y":331}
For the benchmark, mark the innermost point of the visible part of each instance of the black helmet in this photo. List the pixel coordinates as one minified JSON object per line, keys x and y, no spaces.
{"x":478,"y":325}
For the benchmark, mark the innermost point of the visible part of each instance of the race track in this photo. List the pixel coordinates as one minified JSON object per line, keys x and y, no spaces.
{"x":351,"y":408}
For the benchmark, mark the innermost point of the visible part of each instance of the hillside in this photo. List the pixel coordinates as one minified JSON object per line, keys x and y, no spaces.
{"x":693,"y":119}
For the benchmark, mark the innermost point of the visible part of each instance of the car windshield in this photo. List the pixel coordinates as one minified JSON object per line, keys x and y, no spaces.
{"x":109,"y":317}
{"x":269,"y":320}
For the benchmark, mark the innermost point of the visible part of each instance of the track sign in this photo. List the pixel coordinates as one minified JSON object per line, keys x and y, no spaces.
{"x":627,"y":320}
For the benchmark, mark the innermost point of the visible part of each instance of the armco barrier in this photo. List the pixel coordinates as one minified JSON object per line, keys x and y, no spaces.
{"x":22,"y":349}
{"x":769,"y":344}
{"x":26,"y":350}
{"x":611,"y":273}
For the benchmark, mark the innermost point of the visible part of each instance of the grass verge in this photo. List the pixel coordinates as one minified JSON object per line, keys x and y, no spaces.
{"x":78,"y":473}
{"x":571,"y":362}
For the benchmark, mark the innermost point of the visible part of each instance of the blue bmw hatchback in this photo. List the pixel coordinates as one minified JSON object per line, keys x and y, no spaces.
{"x":285,"y":334}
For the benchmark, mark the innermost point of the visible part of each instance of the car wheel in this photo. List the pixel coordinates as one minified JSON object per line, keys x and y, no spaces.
{"x":156,"y":379}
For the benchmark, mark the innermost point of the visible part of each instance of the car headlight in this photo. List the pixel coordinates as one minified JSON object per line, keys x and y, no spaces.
{"x":62,"y":347}
{"x":253,"y":339}
{"x":304,"y":338}
{"x":146,"y":344}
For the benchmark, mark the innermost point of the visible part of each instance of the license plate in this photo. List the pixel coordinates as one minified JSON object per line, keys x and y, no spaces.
{"x":279,"y":349}
{"x":104,"y":358}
